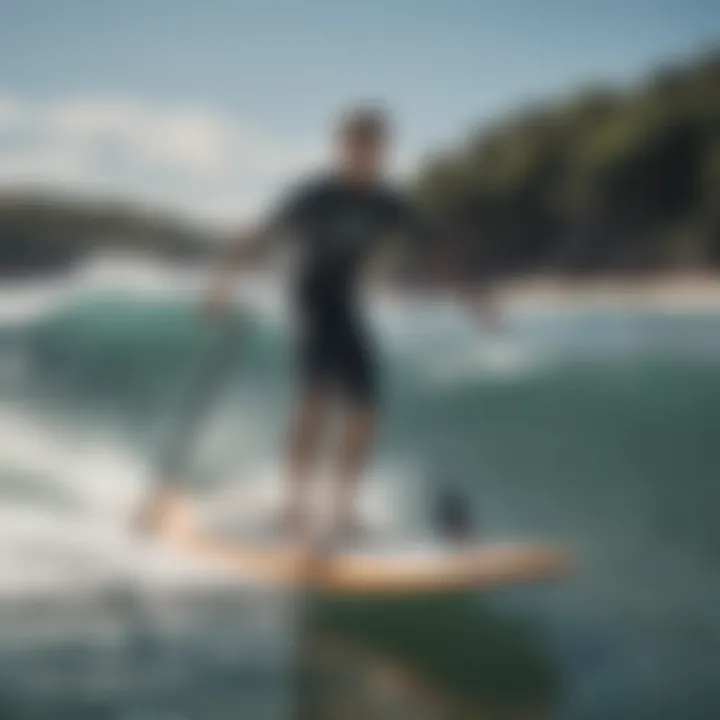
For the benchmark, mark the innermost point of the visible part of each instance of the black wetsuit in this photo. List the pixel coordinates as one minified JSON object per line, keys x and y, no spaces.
{"x":336,"y":226}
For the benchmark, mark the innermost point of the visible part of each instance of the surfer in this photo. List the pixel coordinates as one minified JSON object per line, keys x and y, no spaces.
{"x":335,"y":221}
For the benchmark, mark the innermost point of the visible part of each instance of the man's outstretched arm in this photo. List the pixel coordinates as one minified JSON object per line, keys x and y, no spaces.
{"x":243,"y":252}
{"x":255,"y":244}
{"x":444,"y":267}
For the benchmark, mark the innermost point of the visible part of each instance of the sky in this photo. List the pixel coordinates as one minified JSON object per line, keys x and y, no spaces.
{"x":211,"y":106}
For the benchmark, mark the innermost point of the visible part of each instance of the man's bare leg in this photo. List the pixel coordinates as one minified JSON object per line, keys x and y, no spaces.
{"x":354,"y":452}
{"x":304,"y":435}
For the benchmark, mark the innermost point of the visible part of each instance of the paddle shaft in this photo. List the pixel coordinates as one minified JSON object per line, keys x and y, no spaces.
{"x":203,"y":391}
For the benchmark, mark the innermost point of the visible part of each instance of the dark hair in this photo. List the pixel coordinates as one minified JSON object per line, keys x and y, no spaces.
{"x":367,"y":122}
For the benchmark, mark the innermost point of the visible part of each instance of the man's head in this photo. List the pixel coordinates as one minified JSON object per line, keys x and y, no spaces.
{"x":362,"y":137}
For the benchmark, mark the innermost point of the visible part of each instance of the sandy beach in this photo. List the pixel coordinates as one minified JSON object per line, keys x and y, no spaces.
{"x":672,"y":292}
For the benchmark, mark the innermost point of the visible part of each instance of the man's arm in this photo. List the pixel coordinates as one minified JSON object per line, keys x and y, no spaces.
{"x":444,"y":266}
{"x":243,"y":252}
{"x":248,"y":248}
{"x":476,"y":293}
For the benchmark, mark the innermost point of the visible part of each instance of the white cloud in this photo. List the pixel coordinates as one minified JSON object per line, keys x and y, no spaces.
{"x":189,"y":140}
{"x":10,"y":113}
{"x":44,"y":165}
{"x":94,"y":118}
{"x":198,"y":142}
{"x":192,"y":157}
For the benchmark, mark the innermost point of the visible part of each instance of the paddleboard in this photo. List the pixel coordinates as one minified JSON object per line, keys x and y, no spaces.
{"x":379,"y":566}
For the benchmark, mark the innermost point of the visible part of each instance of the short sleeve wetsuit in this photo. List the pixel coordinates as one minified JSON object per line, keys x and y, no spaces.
{"x":336,"y":226}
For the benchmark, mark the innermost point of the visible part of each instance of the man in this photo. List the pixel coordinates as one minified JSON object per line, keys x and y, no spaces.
{"x":335,"y":221}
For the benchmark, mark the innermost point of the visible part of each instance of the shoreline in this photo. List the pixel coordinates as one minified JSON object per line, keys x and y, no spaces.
{"x":672,"y":292}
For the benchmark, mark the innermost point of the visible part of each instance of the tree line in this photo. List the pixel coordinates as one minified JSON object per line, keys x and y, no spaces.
{"x":608,"y":180}
{"x":48,"y":232}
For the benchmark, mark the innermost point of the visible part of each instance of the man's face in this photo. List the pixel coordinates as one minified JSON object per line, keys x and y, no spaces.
{"x":363,"y":155}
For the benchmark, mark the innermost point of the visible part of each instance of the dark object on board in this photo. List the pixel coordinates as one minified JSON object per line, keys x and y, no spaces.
{"x":453,"y":515}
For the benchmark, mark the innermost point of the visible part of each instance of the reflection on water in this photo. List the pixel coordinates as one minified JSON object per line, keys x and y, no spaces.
{"x":442,"y":656}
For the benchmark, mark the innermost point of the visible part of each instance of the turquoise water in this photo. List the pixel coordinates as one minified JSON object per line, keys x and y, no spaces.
{"x":595,"y":428}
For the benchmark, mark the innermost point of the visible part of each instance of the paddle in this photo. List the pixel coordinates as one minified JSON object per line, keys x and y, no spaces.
{"x":201,"y":394}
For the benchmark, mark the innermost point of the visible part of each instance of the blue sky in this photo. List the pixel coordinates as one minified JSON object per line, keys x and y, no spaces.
{"x":212,"y":104}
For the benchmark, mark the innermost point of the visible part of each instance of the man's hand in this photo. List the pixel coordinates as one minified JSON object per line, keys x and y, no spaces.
{"x":240,"y":255}
{"x":216,"y":303}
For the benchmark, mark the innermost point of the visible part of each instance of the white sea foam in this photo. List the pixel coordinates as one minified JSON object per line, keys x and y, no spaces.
{"x":497,"y":360}
{"x":133,"y":276}
{"x":45,"y":552}
{"x":23,"y":302}
{"x":92,"y":473}
{"x":85,"y":544}
{"x":260,"y":493}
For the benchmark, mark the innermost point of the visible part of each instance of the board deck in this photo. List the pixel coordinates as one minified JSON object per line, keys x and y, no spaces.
{"x":394,"y":568}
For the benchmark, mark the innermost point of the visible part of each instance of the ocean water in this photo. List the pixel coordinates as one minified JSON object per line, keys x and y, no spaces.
{"x":594,"y":427}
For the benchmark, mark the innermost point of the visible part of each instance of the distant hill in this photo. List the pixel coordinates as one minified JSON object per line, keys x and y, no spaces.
{"x":41,"y":232}
{"x":607,"y":180}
